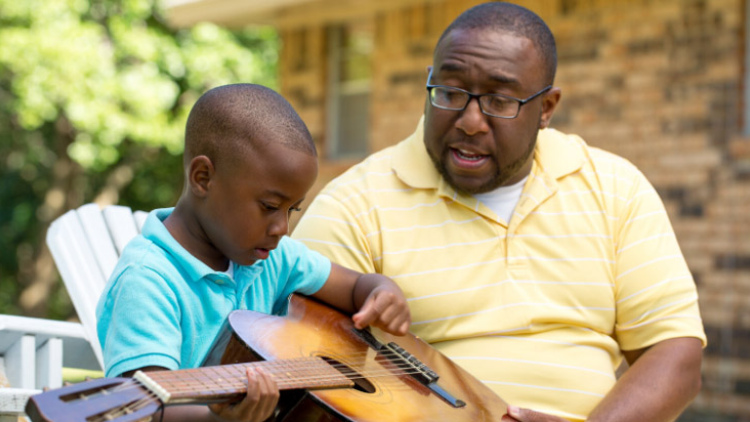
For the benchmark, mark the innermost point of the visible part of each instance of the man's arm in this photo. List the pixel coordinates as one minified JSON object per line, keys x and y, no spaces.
{"x":659,"y":384}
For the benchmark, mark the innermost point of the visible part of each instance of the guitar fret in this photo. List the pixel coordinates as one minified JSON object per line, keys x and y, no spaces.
{"x":217,"y":382}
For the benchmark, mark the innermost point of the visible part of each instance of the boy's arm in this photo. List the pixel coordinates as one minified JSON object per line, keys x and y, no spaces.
{"x":374,"y":299}
{"x":257,"y":406}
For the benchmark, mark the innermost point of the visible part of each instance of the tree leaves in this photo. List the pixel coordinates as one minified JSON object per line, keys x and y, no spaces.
{"x":93,"y":101}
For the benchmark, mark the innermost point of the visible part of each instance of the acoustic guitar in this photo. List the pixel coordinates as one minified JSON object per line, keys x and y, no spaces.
{"x":325,"y":368}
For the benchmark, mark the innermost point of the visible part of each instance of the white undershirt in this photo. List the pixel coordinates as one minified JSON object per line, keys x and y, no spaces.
{"x":230,"y":271}
{"x":503,"y":200}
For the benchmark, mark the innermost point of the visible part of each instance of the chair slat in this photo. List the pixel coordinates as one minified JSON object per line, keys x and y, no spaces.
{"x":97,"y":234}
{"x":140,"y":219}
{"x":121,"y":224}
{"x":76,"y":260}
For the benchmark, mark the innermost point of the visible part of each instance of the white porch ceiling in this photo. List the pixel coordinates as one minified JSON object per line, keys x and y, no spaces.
{"x":230,"y":13}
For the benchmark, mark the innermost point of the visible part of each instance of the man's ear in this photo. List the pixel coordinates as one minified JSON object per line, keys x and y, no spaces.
{"x":549,"y":104}
{"x":200,"y":173}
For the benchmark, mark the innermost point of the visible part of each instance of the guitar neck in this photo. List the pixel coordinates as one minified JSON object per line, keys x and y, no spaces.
{"x":215,"y":383}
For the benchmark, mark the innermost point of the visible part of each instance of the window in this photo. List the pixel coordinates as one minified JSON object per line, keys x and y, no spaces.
{"x":349,"y":90}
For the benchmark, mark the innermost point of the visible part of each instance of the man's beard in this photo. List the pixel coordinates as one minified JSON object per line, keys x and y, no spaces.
{"x":499,"y":179}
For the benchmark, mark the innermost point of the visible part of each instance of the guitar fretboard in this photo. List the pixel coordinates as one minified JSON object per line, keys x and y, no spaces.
{"x":220,"y":382}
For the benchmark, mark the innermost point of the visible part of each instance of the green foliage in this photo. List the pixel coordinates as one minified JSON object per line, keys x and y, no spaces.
{"x":93,"y":100}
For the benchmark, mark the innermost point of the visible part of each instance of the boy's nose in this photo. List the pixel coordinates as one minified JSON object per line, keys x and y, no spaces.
{"x":279,"y":227}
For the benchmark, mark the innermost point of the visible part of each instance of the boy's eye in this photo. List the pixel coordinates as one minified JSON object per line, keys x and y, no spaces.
{"x":271,"y":207}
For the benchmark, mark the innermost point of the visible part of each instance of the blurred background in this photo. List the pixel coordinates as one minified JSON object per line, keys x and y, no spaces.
{"x":95,"y":93}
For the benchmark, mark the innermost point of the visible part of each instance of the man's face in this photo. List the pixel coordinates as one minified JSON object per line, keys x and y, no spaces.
{"x":476,"y":153}
{"x":251,"y":199}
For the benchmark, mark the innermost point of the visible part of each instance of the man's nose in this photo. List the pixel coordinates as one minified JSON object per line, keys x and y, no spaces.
{"x":472,"y":121}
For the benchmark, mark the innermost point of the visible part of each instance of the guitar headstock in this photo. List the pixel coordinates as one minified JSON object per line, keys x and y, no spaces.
{"x":105,"y":399}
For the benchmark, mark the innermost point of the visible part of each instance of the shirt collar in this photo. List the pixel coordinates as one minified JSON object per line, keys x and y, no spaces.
{"x":412,"y":164}
{"x":559,"y":154}
{"x":195,"y":269}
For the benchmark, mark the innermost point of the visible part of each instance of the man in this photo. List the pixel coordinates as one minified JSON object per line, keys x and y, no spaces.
{"x":533,"y":260}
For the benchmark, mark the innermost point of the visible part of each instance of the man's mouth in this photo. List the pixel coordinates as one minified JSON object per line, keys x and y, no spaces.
{"x":467,"y":159}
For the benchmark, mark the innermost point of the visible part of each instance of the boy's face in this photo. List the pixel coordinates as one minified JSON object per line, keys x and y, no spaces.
{"x":250,"y":200}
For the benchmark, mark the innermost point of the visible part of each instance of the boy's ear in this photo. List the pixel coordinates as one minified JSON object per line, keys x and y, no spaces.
{"x":200,"y":173}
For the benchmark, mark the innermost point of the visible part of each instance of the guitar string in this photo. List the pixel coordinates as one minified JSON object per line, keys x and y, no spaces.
{"x":281,"y":365}
{"x":150,"y":397}
{"x":314,"y":362}
{"x":238,"y":379}
{"x":282,"y":368}
{"x":132,"y":407}
{"x":298,"y":364}
{"x":165,"y":377}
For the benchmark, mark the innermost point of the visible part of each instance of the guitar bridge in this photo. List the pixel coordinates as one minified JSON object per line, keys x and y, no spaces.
{"x":420,"y":371}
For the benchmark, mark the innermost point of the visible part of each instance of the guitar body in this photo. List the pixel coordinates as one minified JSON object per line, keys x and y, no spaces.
{"x":384,"y":393}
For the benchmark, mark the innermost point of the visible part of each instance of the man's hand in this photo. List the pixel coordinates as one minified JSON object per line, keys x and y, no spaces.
{"x":517,"y":414}
{"x":660,"y":382}
{"x":385,"y":308}
{"x":258,"y":405}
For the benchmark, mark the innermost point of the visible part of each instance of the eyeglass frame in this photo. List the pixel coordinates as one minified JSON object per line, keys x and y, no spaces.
{"x":520,"y":101}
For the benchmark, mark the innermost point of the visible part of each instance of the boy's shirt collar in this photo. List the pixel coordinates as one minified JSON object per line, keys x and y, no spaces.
{"x":155,"y":231}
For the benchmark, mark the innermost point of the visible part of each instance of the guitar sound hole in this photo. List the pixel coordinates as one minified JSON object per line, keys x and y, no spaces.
{"x":360,"y":382}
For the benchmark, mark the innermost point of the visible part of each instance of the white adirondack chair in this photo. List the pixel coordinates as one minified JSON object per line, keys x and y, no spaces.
{"x":85,"y":245}
{"x":33,"y":352}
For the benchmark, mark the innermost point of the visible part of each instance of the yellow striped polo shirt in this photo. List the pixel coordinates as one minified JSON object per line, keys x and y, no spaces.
{"x":540,"y":308}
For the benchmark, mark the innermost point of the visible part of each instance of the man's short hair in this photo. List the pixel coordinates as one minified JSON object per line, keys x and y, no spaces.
{"x":516,"y":20}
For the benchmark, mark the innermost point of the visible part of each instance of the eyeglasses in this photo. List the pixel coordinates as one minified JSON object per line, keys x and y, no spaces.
{"x":495,"y":105}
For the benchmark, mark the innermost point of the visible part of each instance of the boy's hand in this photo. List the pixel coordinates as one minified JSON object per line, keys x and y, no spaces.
{"x":258,"y":405}
{"x":385,"y":308}
{"x":372,"y":298}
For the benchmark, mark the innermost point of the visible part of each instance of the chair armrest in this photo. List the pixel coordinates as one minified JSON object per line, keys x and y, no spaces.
{"x":34,"y":350}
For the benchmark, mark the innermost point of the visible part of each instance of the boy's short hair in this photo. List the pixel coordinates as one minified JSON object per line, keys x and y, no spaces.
{"x":229,"y":119}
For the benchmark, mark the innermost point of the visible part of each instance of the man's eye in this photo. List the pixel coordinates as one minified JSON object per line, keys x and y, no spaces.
{"x":294,"y":209}
{"x":450,"y":96}
{"x":269,"y":207}
{"x":499,"y":102}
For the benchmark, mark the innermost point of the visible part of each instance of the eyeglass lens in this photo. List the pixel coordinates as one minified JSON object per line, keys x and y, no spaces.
{"x":456,"y":99}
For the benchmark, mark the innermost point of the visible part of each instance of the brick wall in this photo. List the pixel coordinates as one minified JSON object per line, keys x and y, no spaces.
{"x":656,"y":81}
{"x":660,"y":83}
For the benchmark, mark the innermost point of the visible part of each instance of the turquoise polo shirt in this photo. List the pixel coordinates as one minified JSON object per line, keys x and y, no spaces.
{"x":164,"y":307}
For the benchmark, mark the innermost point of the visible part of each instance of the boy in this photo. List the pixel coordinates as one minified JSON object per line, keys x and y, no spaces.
{"x":249,"y":161}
